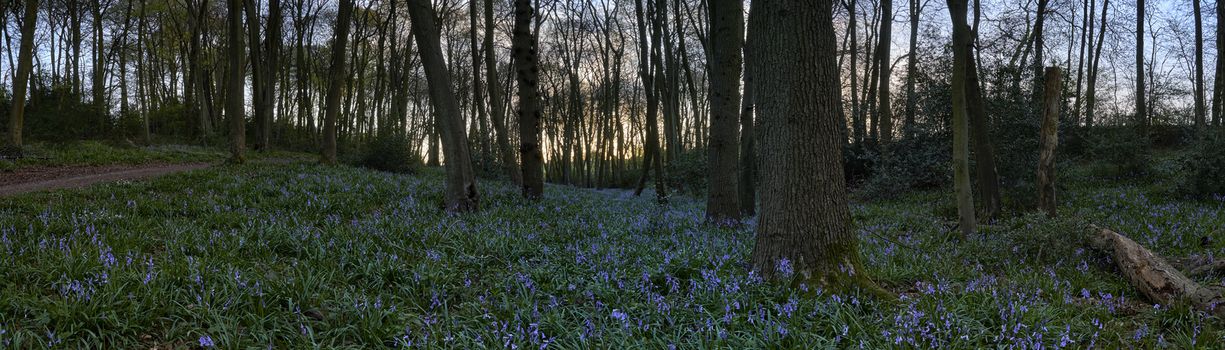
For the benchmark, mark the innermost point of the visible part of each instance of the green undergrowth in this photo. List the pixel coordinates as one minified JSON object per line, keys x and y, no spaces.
{"x":305,"y":256}
{"x":97,"y":153}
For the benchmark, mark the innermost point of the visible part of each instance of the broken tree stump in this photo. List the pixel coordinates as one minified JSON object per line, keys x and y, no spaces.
{"x":1049,"y":140}
{"x":1152,"y":275}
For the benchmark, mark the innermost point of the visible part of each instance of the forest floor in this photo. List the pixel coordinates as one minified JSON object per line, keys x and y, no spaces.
{"x":30,"y":179}
{"x":304,"y":256}
{"x":74,"y":165}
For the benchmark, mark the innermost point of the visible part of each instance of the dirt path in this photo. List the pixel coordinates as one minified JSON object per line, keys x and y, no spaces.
{"x":51,"y":178}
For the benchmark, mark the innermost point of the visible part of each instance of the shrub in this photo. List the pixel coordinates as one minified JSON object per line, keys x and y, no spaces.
{"x":1119,"y":154}
{"x":55,"y":113}
{"x":389,"y":153}
{"x":924,"y":164}
{"x":687,"y":174}
{"x":1203,"y":168}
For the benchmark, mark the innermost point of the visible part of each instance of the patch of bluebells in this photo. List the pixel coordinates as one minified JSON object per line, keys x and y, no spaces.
{"x":305,"y":248}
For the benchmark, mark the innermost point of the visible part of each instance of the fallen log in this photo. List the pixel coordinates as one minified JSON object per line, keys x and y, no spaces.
{"x":1155,"y":278}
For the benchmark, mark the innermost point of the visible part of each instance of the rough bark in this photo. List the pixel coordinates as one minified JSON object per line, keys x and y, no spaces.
{"x":727,"y":41}
{"x":25,"y":63}
{"x":526,"y":72}
{"x":461,"y":193}
{"x":1150,"y":274}
{"x":336,"y":81}
{"x":234,"y":105}
{"x":961,"y":159}
{"x":1048,"y":141}
{"x":805,"y":220}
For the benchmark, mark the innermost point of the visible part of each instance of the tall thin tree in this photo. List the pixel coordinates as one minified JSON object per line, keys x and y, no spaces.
{"x":726,"y":43}
{"x":461,"y":194}
{"x":1141,"y":106}
{"x":748,"y":153}
{"x":1218,"y":84}
{"x":336,"y":81}
{"x":497,"y":110}
{"x":652,"y":158}
{"x":1094,"y":62}
{"x":25,"y":63}
{"x":912,"y":63}
{"x":883,"y":50}
{"x":234,"y":104}
{"x":526,"y":71}
{"x":961,"y":157}
{"x":1199,"y":65}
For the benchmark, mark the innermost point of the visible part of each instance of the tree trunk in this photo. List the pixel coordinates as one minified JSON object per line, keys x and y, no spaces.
{"x":1089,"y":7}
{"x":1094,"y":61}
{"x":961,"y":63}
{"x":99,"y":73}
{"x":478,"y":94}
{"x":234,"y":91}
{"x":727,"y":41}
{"x":1199,"y":65}
{"x":331,"y":111}
{"x":461,"y":193}
{"x":1039,"y":57}
{"x":525,"y":55}
{"x":912,"y":62}
{"x":25,"y":63}
{"x":748,"y":155}
{"x":647,"y":60}
{"x":1141,"y":107}
{"x":885,"y":111}
{"x":1218,"y":95}
{"x":498,"y":116}
{"x":805,"y":220}
{"x":988,"y":179}
{"x":1049,"y":139}
{"x":858,"y":128}
{"x":257,"y":72}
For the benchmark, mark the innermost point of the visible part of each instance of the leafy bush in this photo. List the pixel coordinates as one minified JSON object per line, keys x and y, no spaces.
{"x":923,"y":165}
{"x":55,"y":113}
{"x":858,"y":163}
{"x":1203,"y":168}
{"x":1119,"y":154}
{"x":688,"y":173}
{"x":389,"y":153}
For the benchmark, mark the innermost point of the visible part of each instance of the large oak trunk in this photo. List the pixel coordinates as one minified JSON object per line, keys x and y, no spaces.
{"x":804,"y":222}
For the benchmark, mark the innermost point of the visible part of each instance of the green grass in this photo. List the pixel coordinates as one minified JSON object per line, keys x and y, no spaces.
{"x":303,"y":256}
{"x":108,"y":153}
